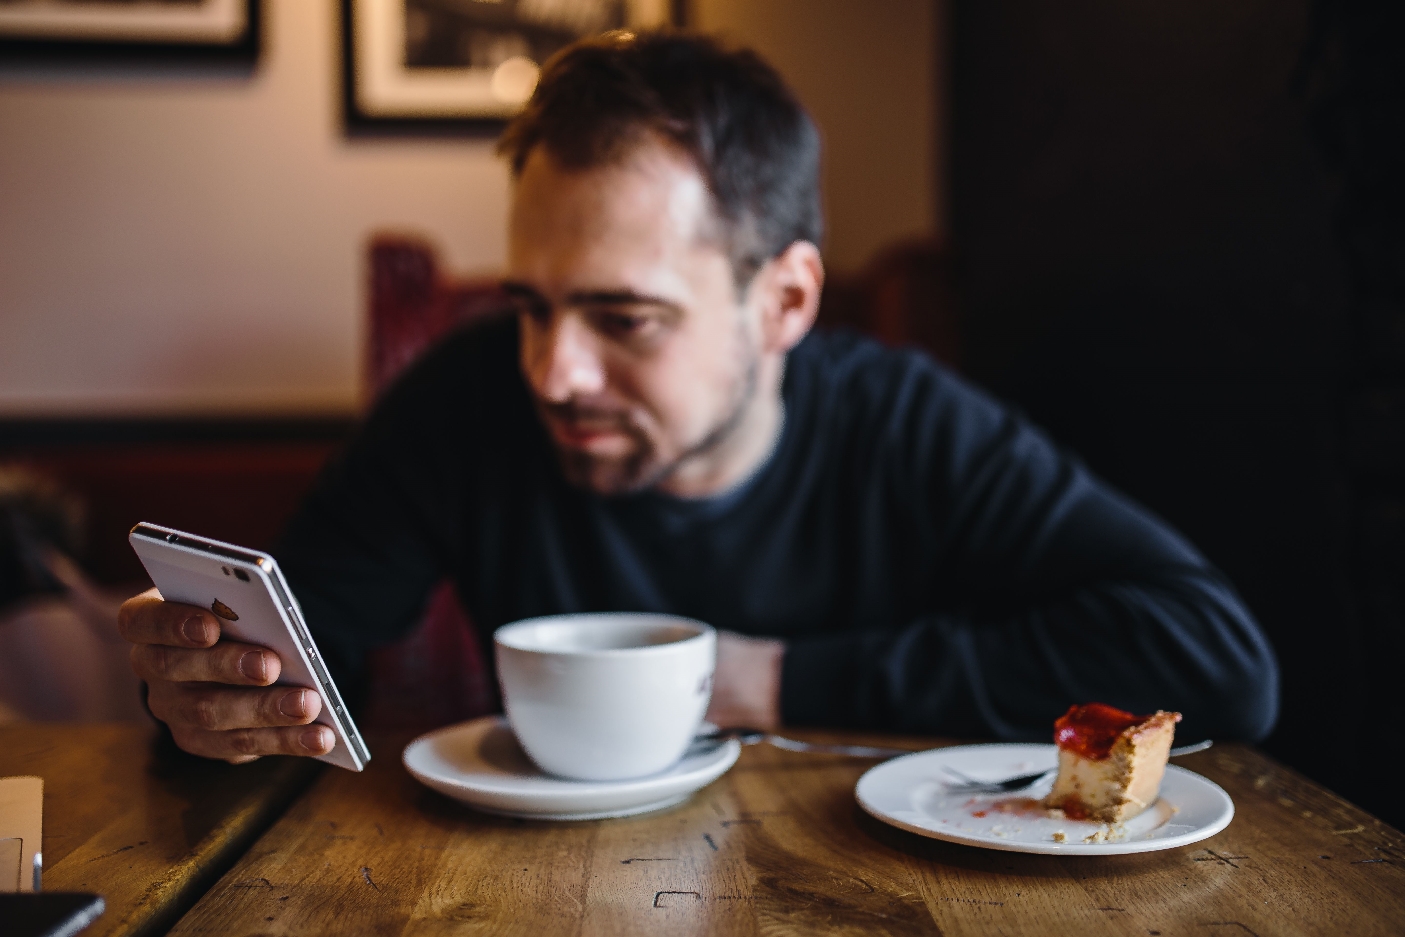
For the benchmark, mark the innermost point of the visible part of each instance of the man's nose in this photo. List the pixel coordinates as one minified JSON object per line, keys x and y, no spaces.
{"x":566,"y":362}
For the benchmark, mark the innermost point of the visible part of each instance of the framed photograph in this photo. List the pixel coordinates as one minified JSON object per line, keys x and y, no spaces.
{"x":125,"y":28}
{"x":422,"y":64}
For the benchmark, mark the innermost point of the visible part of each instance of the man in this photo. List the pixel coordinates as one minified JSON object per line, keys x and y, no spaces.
{"x":657,"y":429}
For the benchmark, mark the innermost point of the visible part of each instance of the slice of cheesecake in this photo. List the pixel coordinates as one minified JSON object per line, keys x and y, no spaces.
{"x":1110,"y":762}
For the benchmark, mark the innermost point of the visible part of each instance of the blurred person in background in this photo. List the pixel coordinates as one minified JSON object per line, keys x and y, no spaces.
{"x":61,"y":658}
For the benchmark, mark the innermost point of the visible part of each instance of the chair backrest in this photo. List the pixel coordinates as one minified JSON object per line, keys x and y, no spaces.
{"x":904,"y":295}
{"x":413,"y":305}
{"x":437,"y":674}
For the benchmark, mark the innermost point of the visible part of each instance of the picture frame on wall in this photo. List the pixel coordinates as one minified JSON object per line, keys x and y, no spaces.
{"x":428,"y":65}
{"x":129,"y":29}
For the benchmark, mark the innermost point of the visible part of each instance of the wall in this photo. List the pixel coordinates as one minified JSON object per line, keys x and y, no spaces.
{"x":187,"y":244}
{"x":195,"y":244}
{"x":868,"y":72}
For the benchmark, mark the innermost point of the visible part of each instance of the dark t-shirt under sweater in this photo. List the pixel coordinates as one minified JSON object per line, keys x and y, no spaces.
{"x":933,"y":562}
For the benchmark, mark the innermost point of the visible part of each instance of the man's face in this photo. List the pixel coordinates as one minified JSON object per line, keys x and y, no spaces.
{"x":634,"y":343}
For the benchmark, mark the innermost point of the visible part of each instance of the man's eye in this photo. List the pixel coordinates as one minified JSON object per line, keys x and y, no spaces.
{"x":534,"y":309}
{"x":621,"y":323}
{"x":530,"y":306}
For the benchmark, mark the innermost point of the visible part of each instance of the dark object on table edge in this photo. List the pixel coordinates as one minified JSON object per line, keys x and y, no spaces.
{"x":49,"y":914}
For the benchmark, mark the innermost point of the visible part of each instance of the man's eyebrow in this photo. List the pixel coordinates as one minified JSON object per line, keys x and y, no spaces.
{"x":620,"y":297}
{"x":625,"y":297}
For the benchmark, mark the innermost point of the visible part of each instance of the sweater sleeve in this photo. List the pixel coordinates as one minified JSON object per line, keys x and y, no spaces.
{"x":1056,"y":589}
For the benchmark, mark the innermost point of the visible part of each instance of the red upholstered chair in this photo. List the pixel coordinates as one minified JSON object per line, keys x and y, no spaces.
{"x":904,"y":295}
{"x":436,"y":675}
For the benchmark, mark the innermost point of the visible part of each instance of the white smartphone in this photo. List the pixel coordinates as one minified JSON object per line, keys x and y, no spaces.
{"x":246,"y":591}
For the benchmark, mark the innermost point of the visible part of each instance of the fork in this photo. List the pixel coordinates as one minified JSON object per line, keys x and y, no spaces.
{"x":749,"y":736}
{"x":970,"y":785}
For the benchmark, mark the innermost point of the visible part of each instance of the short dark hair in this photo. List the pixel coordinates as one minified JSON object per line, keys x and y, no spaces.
{"x":753,"y":144}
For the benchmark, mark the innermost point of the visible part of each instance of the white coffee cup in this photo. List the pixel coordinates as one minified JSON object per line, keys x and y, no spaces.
{"x":605,"y":697}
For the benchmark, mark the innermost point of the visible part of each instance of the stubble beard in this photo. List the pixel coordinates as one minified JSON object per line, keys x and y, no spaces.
{"x":643,"y":468}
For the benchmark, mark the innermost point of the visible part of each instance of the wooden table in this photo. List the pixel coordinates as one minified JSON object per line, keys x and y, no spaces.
{"x":778,"y":846}
{"x":147,"y":827}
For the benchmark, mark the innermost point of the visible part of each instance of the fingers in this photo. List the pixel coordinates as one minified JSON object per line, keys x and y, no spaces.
{"x":228,"y":662}
{"x":214,"y":708}
{"x":216,"y":695}
{"x":241,"y":745}
{"x":147,"y":619}
{"x":239,"y":724}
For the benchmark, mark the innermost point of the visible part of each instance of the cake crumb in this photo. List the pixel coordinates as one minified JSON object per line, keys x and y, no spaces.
{"x":1111,"y":833}
{"x":1060,"y":836}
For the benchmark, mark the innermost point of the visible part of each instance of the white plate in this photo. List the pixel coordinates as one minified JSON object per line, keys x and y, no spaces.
{"x":909,"y":793}
{"x":481,"y":764}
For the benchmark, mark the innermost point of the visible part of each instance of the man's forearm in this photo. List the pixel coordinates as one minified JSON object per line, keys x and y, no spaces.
{"x":1185,"y":643}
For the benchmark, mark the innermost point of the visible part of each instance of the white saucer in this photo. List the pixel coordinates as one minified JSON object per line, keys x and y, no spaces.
{"x":909,"y":793}
{"x":481,"y":764}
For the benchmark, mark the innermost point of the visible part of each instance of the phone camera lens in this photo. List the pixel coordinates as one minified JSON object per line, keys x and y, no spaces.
{"x":241,"y":575}
{"x":172,"y":538}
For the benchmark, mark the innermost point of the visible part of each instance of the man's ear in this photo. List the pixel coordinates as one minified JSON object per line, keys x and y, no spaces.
{"x":791,"y":282}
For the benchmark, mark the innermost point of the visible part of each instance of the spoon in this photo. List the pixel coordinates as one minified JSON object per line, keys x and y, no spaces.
{"x":749,"y":736}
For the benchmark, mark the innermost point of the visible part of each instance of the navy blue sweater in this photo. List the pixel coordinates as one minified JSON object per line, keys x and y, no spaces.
{"x":934,"y":563}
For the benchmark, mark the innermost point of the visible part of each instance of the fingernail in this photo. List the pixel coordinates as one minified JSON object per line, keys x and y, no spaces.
{"x":314,"y":740}
{"x":251,"y":665}
{"x":292,"y":706}
{"x":194,"y":629}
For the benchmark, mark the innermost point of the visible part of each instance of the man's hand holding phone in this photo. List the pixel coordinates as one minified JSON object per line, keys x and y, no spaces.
{"x":217,"y":695}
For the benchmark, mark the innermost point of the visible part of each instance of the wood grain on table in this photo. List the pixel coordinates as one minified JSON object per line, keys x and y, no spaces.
{"x":147,"y":827}
{"x":779,"y":846}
